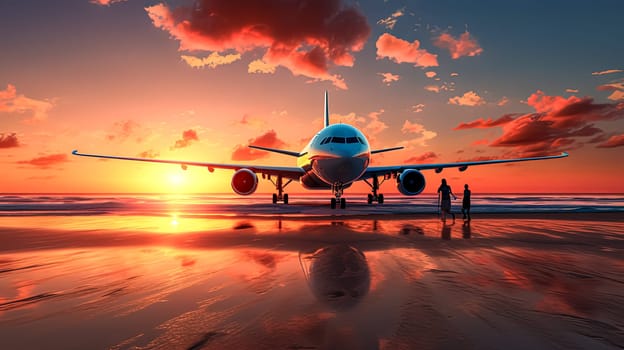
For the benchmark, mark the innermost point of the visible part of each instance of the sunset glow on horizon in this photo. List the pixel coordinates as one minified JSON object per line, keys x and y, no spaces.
{"x":201,"y":80}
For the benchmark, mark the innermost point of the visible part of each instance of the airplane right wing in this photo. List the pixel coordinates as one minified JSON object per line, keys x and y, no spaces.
{"x":287,"y":172}
{"x":390,"y":169}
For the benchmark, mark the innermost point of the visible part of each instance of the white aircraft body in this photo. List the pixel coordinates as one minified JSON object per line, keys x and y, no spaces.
{"x":335,"y":158}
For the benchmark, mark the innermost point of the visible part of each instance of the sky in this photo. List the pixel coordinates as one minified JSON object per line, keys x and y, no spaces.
{"x":200,"y":80}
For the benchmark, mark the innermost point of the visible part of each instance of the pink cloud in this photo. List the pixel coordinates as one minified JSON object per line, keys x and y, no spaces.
{"x":430,"y":74}
{"x":388,"y":78}
{"x":469,"y":98}
{"x":150,"y":153}
{"x":105,"y":2}
{"x":480,"y":142}
{"x":557,"y":124}
{"x":463,"y":46}
{"x":427,"y":156}
{"x":572,"y":91}
{"x":608,"y":71}
{"x":503,"y":101}
{"x":401,"y":51}
{"x":268,"y":139}
{"x":11,"y":102}
{"x":188,"y":137}
{"x":482,"y":123}
{"x":616,"y":87}
{"x":8,"y":140}
{"x":45,"y":162}
{"x":126,"y":129}
{"x":305,"y":37}
{"x":613,"y":141}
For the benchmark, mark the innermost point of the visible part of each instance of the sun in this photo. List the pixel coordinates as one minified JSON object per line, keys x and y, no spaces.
{"x":177,"y":179}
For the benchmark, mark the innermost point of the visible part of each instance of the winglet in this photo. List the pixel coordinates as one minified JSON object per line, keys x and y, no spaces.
{"x":564,"y":154}
{"x":75,"y":152}
{"x":326,"y":114}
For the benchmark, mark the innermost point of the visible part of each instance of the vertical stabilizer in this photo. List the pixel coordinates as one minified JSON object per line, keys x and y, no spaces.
{"x":326,"y":111}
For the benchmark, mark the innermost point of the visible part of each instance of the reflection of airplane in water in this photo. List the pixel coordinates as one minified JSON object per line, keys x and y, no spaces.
{"x":338,"y":275}
{"x":336,"y":157}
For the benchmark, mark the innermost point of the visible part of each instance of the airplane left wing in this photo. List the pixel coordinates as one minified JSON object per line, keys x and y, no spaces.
{"x":286,"y":172}
{"x":390,"y":169}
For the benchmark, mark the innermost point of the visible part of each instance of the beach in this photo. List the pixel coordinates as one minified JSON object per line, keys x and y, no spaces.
{"x":207,"y":277}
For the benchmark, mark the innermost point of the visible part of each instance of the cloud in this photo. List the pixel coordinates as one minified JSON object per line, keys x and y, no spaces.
{"x":616,"y":87}
{"x":105,"y":2}
{"x":613,"y":141}
{"x":454,"y":74}
{"x":482,"y":123}
{"x":306,"y":37}
{"x":259,"y":66}
{"x":464,"y":46}
{"x":213,"y":60}
{"x":418,"y":108}
{"x":390,"y":21}
{"x":558,"y":124}
{"x":188,"y":137}
{"x":127,"y":129}
{"x":480,"y":142}
{"x":572,"y":91}
{"x":415,"y":128}
{"x":268,"y":139}
{"x":431,"y":74}
{"x":8,"y":140}
{"x":503,"y":101}
{"x":370,"y":124}
{"x":401,"y":51}
{"x":45,"y":162}
{"x":11,"y":102}
{"x":469,"y":98}
{"x":608,"y":71}
{"x":388,"y":78}
{"x":150,"y":153}
{"x":427,"y":156}
{"x":251,"y":121}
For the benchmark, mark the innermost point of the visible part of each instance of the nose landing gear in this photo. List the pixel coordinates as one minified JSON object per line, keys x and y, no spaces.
{"x":337,"y":190}
{"x":374,"y":196}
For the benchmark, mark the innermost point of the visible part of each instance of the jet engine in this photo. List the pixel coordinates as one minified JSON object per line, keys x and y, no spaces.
{"x":244,"y":182}
{"x":411,"y":182}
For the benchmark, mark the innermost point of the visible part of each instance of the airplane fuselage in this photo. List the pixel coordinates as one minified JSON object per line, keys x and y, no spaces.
{"x":337,"y":155}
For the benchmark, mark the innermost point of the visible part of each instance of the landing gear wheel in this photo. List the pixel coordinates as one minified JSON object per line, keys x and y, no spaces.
{"x":370,"y":199}
{"x":333,"y":203}
{"x":343,"y":203}
{"x":274,"y":198}
{"x":380,"y":199}
{"x":285,"y":198}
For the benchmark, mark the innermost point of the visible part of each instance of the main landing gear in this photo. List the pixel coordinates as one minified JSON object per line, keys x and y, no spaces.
{"x":280,"y":196}
{"x":337,"y":190}
{"x":374,"y":196}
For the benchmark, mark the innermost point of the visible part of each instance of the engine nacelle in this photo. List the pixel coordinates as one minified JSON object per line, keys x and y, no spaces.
{"x":411,"y":182}
{"x":244,"y":182}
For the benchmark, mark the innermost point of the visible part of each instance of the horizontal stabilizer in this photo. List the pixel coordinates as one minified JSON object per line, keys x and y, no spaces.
{"x":288,"y":153}
{"x":386,"y":149}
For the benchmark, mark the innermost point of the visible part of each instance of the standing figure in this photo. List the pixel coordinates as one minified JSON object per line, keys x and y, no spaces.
{"x":444,"y":199}
{"x":466,"y":203}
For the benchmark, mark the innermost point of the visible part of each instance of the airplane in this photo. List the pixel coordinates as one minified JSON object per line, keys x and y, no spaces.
{"x":336,"y":157}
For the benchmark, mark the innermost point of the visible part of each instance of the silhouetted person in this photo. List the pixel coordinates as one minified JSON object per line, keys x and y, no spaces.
{"x":466,"y":203}
{"x":444,"y":199}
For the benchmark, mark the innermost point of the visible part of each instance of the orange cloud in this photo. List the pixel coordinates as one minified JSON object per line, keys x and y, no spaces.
{"x":305,"y":37}
{"x":11,"y":102}
{"x":126,"y":129}
{"x":213,"y":60}
{"x":268,"y":139}
{"x":45,"y":162}
{"x":431,"y":74}
{"x":482,"y":123}
{"x":418,"y":108}
{"x":464,"y":46}
{"x":557,"y":124}
{"x":415,"y":128}
{"x":427,"y":156}
{"x":388,"y":78}
{"x":188,"y":136}
{"x":617,"y":88}
{"x":608,"y":71}
{"x":613,"y":141}
{"x":503,"y":101}
{"x":259,"y":66}
{"x":401,"y":51}
{"x":390,"y":21}
{"x":8,"y":140}
{"x":150,"y":153}
{"x":105,"y":2}
{"x":469,"y":98}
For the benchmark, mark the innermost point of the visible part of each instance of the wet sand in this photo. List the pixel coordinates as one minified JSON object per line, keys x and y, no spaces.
{"x":519,"y":281}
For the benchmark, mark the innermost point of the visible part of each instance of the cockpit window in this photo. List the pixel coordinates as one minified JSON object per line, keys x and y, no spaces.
{"x":338,"y":139}
{"x":352,"y":140}
{"x":359,"y":139}
{"x":325,"y":140}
